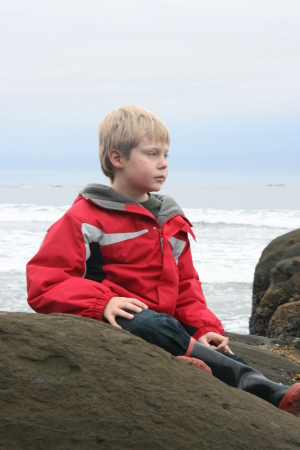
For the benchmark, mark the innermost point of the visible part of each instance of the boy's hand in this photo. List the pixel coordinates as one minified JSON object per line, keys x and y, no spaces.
{"x":117,"y":306}
{"x":215,"y":341}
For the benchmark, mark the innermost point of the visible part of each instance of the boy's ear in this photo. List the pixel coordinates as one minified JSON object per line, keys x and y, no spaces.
{"x":115,"y":157}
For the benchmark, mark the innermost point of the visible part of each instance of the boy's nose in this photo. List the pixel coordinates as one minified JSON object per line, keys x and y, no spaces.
{"x":163,"y":164}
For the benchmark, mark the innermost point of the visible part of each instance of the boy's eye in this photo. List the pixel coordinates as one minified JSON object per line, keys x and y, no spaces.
{"x":155,"y":154}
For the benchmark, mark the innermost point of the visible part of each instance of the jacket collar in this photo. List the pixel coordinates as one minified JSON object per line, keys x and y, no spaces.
{"x":108,"y":198}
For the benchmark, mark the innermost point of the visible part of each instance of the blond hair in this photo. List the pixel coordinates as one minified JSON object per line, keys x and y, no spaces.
{"x":124,"y":129}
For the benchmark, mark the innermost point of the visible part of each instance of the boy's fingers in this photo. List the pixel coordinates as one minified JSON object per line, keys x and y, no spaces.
{"x":132,"y":307}
{"x":228,"y":350}
{"x":124,"y":314}
{"x":143,"y":305}
{"x":135,"y":301}
{"x":111,"y":319}
{"x":120,"y":306}
{"x":113,"y":322}
{"x":123,"y":302}
{"x":223,"y":344}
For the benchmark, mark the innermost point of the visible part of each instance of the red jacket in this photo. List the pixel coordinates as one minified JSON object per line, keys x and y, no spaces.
{"x":106,"y":245}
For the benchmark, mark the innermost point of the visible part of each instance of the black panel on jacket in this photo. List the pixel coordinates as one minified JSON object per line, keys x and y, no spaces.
{"x":95,"y":263}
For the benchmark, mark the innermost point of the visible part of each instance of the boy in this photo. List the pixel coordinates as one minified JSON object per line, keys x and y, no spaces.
{"x":122,"y":255}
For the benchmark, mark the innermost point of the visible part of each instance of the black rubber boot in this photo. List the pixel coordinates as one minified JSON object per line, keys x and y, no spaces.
{"x":239,"y":375}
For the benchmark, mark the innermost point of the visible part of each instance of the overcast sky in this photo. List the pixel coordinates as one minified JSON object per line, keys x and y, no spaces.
{"x":224,"y":75}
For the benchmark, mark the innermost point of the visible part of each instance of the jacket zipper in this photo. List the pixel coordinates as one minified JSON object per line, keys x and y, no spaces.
{"x":161,"y":239}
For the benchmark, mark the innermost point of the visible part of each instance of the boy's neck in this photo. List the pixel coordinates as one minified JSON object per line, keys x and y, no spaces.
{"x":136,"y":196}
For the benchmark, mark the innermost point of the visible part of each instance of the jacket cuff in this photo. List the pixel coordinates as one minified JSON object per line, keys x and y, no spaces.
{"x":205,"y":330}
{"x":100,"y":305}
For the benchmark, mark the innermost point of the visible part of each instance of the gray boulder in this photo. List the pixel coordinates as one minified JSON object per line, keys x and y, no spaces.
{"x":285,"y":321}
{"x":68,"y":382}
{"x":277,"y":285}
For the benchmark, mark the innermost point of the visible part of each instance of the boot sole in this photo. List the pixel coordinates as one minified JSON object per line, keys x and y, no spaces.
{"x":196,"y":363}
{"x":291,"y":400}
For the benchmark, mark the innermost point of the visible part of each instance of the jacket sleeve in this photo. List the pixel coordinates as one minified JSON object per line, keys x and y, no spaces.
{"x":55,"y":275}
{"x":191,"y":309}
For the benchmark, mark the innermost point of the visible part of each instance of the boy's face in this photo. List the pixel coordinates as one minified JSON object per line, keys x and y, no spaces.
{"x":144,"y":171}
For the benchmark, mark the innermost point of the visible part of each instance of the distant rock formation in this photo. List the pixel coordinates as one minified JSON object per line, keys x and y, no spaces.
{"x":68,"y":382}
{"x":276,"y":289}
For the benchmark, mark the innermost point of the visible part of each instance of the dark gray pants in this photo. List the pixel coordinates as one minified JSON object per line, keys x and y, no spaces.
{"x":166,"y":332}
{"x":158,"y":329}
{"x":162,"y":330}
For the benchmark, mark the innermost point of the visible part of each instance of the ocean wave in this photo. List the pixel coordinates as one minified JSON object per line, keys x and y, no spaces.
{"x":220,"y":271}
{"x":286,"y":219}
{"x":31,"y":213}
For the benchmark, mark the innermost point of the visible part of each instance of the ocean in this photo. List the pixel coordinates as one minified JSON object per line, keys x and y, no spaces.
{"x":232,"y":225}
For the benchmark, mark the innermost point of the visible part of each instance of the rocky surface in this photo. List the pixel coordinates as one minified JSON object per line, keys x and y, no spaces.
{"x":72,"y":383}
{"x":276,"y":289}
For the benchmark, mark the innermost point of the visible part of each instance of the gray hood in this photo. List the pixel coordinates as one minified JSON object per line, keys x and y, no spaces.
{"x":106,"y":197}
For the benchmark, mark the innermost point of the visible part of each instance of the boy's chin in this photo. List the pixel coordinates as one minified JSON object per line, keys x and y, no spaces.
{"x":158,"y":186}
{"x":155,"y":189}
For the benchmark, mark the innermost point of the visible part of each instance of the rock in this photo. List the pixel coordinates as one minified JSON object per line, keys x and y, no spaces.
{"x":296,"y":343}
{"x":68,"y":382}
{"x":285,"y":321}
{"x":276,"y":284}
{"x":275,"y":366}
